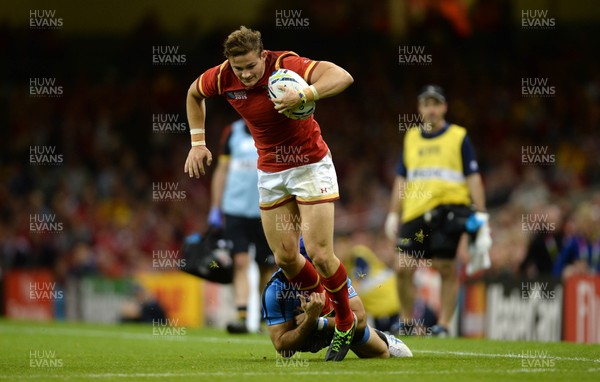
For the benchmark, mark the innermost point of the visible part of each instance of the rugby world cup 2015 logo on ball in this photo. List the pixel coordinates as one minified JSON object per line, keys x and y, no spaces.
{"x":285,"y":78}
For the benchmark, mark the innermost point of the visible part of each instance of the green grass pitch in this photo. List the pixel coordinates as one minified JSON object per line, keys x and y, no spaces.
{"x":77,"y":352}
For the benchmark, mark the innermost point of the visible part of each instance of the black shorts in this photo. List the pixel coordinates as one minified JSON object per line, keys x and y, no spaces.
{"x":435,"y":234}
{"x":242,"y":232}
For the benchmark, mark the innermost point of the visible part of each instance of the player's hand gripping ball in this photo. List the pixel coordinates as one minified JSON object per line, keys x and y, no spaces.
{"x":289,"y":79}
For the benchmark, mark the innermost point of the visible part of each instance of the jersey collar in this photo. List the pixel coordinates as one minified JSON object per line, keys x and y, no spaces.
{"x":427,"y":135}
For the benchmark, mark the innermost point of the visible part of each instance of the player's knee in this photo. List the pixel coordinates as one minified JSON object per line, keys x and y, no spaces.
{"x":285,"y":353}
{"x":446,"y":268}
{"x":361,"y":317}
{"x":286,"y":252}
{"x":383,"y":353}
{"x":320,"y":253}
{"x":406,"y":267}
{"x":240,"y":262}
{"x":285,"y":258}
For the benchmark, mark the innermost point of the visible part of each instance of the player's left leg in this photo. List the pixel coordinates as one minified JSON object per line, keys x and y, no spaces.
{"x":265,"y":260}
{"x":315,"y":187}
{"x":444,"y":246}
{"x":240,"y":292}
{"x":373,"y":347}
{"x":237,"y":234}
{"x":317,"y":224}
{"x":263,"y":257}
{"x":449,"y":290}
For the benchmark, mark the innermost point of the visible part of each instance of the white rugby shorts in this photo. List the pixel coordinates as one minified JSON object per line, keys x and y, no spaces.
{"x":308,"y":184}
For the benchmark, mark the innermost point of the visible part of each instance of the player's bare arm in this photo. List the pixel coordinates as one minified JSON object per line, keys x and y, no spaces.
{"x":393,"y":218}
{"x":218,"y":180}
{"x":328,"y":80}
{"x":477,"y":191}
{"x":287,"y":337}
{"x":196,"y":112}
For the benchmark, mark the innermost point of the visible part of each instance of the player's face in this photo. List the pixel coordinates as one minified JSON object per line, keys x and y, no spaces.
{"x":249,"y":67}
{"x":433,"y":111}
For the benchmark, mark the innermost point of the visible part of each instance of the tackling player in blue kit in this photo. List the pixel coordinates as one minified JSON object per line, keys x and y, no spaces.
{"x":295,"y":324}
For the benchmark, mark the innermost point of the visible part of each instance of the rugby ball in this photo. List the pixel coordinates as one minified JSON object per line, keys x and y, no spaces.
{"x":287,"y":79}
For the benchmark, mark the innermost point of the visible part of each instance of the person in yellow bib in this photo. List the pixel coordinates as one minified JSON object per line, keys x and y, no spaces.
{"x":438,"y":195}
{"x":377,"y":286}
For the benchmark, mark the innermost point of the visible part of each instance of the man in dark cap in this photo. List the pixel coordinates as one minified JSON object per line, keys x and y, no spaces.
{"x":438,"y":196}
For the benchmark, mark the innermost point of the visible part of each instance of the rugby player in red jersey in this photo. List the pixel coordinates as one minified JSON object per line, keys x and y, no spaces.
{"x":296,"y":178}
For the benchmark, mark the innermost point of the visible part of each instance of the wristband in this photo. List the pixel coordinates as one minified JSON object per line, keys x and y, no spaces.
{"x":199,"y":143}
{"x":315,"y":93}
{"x":196,"y":131}
{"x":322,"y":323}
{"x":302,"y":97}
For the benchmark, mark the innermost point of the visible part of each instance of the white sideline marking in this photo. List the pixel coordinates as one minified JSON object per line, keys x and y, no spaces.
{"x":507,"y":355}
{"x":149,"y":336}
{"x":286,"y":372}
{"x":53,"y":331}
{"x":128,"y":335}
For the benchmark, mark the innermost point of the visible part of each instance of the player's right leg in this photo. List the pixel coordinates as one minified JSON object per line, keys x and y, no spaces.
{"x":406,"y":292}
{"x":396,"y":347}
{"x":444,"y":244}
{"x":240,"y":292}
{"x":283,"y":236}
{"x":449,"y":293}
{"x":263,"y":255}
{"x":236,"y":232}
{"x":375,"y":347}
{"x":315,"y":186}
{"x":372,"y":343}
{"x":413,"y":249}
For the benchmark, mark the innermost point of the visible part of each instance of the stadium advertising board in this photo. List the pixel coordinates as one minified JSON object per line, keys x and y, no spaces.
{"x":511,"y":310}
{"x":582,"y":309}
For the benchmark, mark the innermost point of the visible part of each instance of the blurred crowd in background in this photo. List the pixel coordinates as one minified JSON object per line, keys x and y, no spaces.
{"x":101,"y":191}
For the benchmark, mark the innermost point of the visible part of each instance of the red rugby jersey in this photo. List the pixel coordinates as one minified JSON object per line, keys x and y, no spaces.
{"x":282,"y":143}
